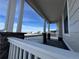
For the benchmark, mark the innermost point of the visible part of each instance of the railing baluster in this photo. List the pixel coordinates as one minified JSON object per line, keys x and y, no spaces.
{"x":29,"y":55}
{"x":11,"y":55}
{"x":20,"y":54}
{"x":14,"y":52}
{"x":10,"y":51}
{"x":24,"y":55}
{"x":17,"y":53}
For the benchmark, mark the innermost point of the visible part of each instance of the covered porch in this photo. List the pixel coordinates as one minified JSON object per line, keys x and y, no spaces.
{"x":45,"y":45}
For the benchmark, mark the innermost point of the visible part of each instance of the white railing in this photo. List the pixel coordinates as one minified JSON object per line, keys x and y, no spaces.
{"x":24,"y":49}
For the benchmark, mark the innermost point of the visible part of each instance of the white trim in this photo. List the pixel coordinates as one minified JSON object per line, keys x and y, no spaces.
{"x":67,"y":34}
{"x":68,"y":45}
{"x":68,"y":18}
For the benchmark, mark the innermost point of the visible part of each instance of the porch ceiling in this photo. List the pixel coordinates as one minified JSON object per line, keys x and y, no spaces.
{"x":51,"y":10}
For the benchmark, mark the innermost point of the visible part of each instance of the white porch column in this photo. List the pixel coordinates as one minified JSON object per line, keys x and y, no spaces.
{"x":60,"y":34}
{"x":48,"y":31}
{"x":7,"y":16}
{"x":44,"y":33}
{"x":44,"y":30}
{"x":48,"y":27}
{"x":19,"y":26}
{"x":10,"y":15}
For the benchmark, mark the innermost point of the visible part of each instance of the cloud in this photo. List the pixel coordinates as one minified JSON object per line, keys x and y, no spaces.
{"x":31,"y":20}
{"x":28,"y":28}
{"x":31,"y":28}
{"x":3,"y":7}
{"x":24,"y":28}
{"x":2,"y":26}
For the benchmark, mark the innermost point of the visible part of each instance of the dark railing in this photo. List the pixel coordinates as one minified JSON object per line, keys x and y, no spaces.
{"x":4,"y":45}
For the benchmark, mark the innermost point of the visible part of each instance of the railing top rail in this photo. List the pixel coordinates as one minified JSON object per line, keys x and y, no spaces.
{"x":32,"y":35}
{"x":43,"y":51}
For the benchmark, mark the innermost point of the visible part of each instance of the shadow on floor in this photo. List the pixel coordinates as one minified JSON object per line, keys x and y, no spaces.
{"x":57,"y":43}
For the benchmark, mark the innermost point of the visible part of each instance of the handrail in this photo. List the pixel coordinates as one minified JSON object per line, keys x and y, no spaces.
{"x":39,"y":50}
{"x":32,"y":35}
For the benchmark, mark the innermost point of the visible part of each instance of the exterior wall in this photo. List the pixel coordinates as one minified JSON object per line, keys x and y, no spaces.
{"x":72,"y":38}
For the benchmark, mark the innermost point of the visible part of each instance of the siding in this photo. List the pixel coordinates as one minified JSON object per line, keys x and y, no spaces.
{"x":72,"y":39}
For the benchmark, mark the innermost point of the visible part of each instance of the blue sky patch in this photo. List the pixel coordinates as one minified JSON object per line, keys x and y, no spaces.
{"x":31,"y":20}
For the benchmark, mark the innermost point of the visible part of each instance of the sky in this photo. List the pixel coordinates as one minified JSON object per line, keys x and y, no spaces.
{"x":32,"y":22}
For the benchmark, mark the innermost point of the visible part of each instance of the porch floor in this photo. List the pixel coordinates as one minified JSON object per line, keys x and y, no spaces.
{"x":57,"y":43}
{"x":51,"y":42}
